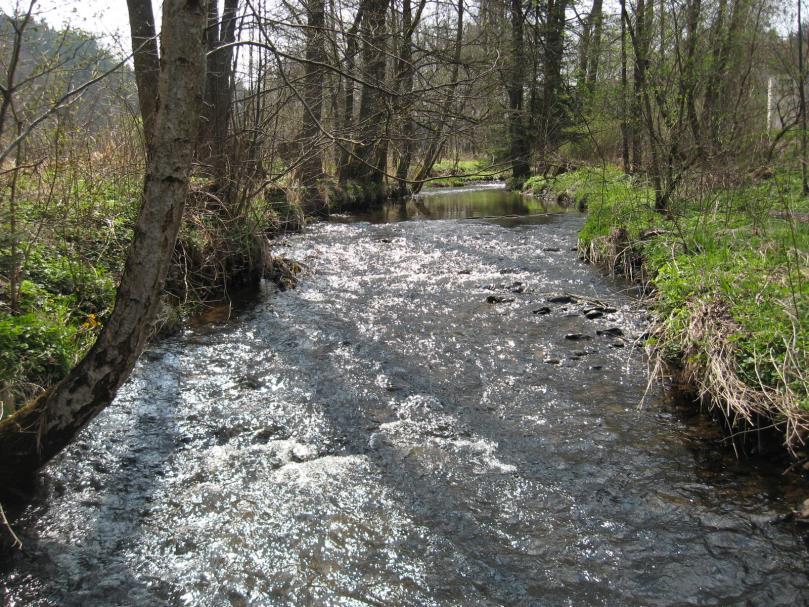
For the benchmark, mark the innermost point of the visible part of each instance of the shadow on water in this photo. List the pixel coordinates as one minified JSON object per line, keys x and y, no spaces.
{"x":113,"y":483}
{"x":384,"y":436}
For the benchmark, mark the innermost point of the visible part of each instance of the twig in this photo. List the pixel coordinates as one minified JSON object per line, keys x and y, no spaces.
{"x":17,"y":543}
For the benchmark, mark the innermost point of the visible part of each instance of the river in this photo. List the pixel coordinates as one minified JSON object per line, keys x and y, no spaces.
{"x":415,"y":424}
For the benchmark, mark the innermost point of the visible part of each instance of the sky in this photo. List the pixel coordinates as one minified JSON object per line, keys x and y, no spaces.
{"x":107,"y":18}
{"x":110,"y":20}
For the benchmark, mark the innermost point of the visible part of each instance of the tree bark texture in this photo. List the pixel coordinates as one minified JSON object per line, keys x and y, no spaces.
{"x":45,"y":426}
{"x":146,"y":60}
{"x":310,"y":169}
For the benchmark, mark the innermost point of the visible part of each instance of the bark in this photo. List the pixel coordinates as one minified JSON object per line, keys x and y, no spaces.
{"x":405,"y":77}
{"x":146,"y":61}
{"x":520,"y":152}
{"x":595,"y":45}
{"x":45,"y":426}
{"x":641,"y":39}
{"x":553,"y":114}
{"x":368,"y":162}
{"x":802,"y":105}
{"x":347,"y":124}
{"x":625,"y":129}
{"x":719,"y":80}
{"x":310,"y":169}
{"x":213,"y":132}
{"x":590,"y":47}
{"x":689,"y":78}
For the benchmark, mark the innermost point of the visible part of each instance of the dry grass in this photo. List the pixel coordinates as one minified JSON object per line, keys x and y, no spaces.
{"x":708,"y":362}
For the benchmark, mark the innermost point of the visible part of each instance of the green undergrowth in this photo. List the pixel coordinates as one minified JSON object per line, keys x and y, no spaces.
{"x":729,"y":269}
{"x":71,"y":237}
{"x":455,"y":174}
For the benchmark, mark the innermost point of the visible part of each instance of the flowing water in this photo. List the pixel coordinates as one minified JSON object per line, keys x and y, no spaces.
{"x":415,"y":424}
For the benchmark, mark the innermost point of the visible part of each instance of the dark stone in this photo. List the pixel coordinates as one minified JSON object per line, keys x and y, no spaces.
{"x":577,"y":337}
{"x":542,"y":311}
{"x":552,"y":249}
{"x":467,"y":271}
{"x":561,"y":299}
{"x":593,"y":314}
{"x":497,"y":299}
{"x":596,"y":368}
{"x":582,"y":203}
{"x":611,"y":332}
{"x":551,"y":361}
{"x":617,"y":344}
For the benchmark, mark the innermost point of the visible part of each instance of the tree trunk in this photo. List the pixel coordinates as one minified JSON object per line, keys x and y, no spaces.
{"x":625,"y":129}
{"x":405,"y":76}
{"x":367,"y":163}
{"x":553,"y":115}
{"x":147,"y":62}
{"x":802,"y":105}
{"x":46,"y":425}
{"x":347,"y":125}
{"x":213,"y":131}
{"x":310,"y":169}
{"x":520,"y":152}
{"x":597,"y":18}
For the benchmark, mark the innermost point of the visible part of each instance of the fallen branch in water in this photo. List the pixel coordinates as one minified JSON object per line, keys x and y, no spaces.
{"x":16,"y":542}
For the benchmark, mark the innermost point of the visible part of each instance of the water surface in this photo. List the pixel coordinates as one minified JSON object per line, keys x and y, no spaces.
{"x":410,"y":427}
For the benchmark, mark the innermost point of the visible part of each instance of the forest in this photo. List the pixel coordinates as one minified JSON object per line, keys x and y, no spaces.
{"x":147,"y":184}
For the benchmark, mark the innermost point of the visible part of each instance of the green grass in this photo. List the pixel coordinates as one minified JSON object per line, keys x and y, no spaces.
{"x":741,"y":250}
{"x":452,"y":174}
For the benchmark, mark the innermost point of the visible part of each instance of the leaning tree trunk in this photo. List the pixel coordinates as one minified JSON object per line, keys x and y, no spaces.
{"x":46,"y":425}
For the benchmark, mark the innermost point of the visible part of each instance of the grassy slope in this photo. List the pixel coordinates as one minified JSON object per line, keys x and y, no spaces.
{"x":730,"y":273}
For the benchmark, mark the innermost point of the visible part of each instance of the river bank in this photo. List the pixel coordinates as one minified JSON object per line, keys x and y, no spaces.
{"x":727,"y":274}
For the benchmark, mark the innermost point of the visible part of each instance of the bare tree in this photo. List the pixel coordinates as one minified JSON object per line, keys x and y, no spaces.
{"x":45,"y":426}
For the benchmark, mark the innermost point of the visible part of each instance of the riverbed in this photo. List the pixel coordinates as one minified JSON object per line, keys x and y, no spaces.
{"x":450,"y":409}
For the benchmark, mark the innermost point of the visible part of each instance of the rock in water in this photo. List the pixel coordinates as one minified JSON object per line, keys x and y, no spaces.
{"x":497,"y":299}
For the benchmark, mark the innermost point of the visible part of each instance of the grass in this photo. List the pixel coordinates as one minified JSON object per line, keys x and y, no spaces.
{"x":454,"y":174}
{"x":729,"y":272}
{"x":71,"y":237}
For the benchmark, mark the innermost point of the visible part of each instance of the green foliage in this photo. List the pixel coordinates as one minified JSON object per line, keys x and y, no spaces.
{"x":742,"y":246}
{"x":36,"y":350}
